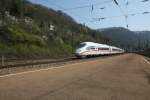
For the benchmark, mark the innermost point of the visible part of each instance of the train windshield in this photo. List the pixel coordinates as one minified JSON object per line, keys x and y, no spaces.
{"x":81,"y":45}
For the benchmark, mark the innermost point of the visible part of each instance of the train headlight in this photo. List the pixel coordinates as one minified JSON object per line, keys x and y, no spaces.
{"x":78,"y":51}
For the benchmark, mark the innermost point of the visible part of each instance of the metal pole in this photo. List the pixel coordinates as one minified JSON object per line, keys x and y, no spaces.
{"x":72,"y":42}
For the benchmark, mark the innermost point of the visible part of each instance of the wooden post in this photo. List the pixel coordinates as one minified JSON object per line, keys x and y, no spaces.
{"x":3,"y":60}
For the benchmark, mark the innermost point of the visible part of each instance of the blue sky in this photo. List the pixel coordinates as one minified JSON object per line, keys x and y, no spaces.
{"x":86,"y":16}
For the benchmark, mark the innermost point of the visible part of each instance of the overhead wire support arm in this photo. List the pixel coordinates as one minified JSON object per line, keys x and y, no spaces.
{"x":116,"y":2}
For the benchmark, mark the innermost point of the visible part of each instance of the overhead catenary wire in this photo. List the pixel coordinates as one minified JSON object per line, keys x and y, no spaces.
{"x":90,"y":5}
{"x":62,"y":8}
{"x":109,"y":17}
{"x":77,"y":15}
{"x":122,"y":11}
{"x":96,"y":4}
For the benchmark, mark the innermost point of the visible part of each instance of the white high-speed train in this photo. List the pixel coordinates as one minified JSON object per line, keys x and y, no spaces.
{"x":86,"y":49}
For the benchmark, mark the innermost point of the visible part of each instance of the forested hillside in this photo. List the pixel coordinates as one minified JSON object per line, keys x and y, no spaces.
{"x":127,"y":39}
{"x":31,"y":30}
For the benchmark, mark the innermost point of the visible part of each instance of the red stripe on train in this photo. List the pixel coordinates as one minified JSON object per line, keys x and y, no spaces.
{"x":97,"y":51}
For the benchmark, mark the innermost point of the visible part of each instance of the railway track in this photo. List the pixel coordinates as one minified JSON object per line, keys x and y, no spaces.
{"x":64,"y":60}
{"x":38,"y":63}
{"x":10,"y":69}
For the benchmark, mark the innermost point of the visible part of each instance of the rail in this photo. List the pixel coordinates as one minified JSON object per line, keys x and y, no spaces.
{"x":24,"y":63}
{"x":14,"y":63}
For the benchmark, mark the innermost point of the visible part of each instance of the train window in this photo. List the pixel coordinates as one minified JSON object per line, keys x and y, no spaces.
{"x":115,"y":49}
{"x":93,"y":48}
{"x":103,"y":48}
{"x":90,"y":48}
{"x":81,"y":45}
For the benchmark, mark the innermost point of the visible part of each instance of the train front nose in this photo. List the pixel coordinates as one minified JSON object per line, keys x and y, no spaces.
{"x":78,"y":52}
